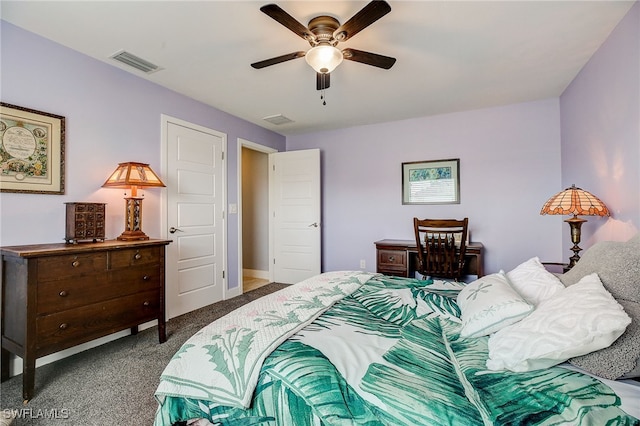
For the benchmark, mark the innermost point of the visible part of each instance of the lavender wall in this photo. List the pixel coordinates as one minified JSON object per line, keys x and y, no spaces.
{"x":600,"y":114}
{"x":111,"y":116}
{"x":509,"y":166}
{"x":510,"y":156}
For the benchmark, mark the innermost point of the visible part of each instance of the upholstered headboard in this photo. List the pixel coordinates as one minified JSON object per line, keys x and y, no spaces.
{"x":618,"y":266}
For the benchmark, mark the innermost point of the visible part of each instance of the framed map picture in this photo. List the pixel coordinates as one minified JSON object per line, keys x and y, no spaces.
{"x":31,"y":151}
{"x":431,"y":182}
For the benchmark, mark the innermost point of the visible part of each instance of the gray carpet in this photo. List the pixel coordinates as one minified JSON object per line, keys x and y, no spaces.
{"x":112,"y":384}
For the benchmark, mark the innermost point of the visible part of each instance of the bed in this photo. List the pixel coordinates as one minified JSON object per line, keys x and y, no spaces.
{"x":522,"y":347}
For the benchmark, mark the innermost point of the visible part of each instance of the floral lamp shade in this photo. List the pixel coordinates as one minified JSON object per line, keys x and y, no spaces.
{"x":575,"y":201}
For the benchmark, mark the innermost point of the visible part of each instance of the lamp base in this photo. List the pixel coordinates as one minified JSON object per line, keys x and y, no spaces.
{"x":133,"y":221}
{"x":132,"y":236}
{"x":575,"y":223}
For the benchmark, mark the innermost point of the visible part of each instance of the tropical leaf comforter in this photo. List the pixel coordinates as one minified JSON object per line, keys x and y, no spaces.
{"x":384,"y":351}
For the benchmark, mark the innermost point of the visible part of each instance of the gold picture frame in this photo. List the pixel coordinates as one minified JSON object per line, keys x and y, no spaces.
{"x":431,"y":182}
{"x":31,"y":151}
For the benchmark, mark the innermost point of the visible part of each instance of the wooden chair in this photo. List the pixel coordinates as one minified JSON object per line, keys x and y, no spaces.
{"x":441,"y":247}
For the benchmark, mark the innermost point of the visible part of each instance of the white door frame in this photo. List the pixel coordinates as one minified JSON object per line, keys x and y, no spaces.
{"x":164,"y":231}
{"x":243,"y":143}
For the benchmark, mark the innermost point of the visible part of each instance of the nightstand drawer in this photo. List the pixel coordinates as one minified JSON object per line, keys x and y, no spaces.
{"x":72,"y":265}
{"x":392,"y":259}
{"x":392,"y":262}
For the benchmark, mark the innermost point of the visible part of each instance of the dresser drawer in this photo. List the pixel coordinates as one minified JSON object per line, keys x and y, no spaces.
{"x":56,"y":296}
{"x":61,"y":267}
{"x":134,"y":256}
{"x":136,"y":278}
{"x":74,"y":326}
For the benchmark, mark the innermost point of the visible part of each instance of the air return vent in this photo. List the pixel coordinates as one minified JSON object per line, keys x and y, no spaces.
{"x":135,"y":62}
{"x":278,"y":119}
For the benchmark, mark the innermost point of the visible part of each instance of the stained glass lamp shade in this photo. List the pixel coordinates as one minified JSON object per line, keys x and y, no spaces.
{"x":575,"y":201}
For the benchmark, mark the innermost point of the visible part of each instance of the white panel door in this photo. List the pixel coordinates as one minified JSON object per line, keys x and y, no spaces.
{"x":195,"y":217}
{"x":295,"y":201}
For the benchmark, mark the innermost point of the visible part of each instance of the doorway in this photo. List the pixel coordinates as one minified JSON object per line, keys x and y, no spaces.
{"x":253,"y":187}
{"x":283,"y":228}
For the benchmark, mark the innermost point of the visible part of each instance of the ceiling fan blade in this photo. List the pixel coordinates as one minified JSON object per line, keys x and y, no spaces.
{"x":361,"y":20}
{"x":369,"y":58}
{"x":278,"y":14}
{"x":322,"y":81}
{"x":278,"y":59}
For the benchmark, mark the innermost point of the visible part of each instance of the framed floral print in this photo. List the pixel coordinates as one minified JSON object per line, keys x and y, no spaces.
{"x":31,"y":151}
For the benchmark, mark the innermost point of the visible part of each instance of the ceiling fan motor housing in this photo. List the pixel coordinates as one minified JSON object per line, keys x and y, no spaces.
{"x":323,"y":28}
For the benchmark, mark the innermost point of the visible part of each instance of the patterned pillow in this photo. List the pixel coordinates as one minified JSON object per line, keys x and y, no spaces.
{"x":489,"y":304}
{"x":577,"y":320}
{"x":533,"y":281}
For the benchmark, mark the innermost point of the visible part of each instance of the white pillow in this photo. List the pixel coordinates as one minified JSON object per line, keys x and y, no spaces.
{"x":577,"y":320}
{"x":488,"y":304}
{"x":533,"y":281}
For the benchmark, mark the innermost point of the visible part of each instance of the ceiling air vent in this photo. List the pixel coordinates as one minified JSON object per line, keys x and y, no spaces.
{"x":278,"y":119}
{"x":135,"y":62}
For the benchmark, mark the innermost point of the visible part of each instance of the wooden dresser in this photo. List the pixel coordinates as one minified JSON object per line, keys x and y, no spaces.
{"x":55,"y":296}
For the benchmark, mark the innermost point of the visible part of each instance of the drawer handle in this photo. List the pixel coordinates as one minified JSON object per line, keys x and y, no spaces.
{"x":137,"y":256}
{"x":146,"y":303}
{"x":63,"y":293}
{"x":75,"y":263}
{"x":63,"y":326}
{"x":392,"y":258}
{"x":146,"y":278}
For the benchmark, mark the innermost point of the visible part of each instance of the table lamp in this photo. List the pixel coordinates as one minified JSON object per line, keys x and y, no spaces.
{"x":132,"y":176}
{"x":575,"y":201}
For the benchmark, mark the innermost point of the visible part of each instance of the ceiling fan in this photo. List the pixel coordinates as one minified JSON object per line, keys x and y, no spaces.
{"x":323,"y":34}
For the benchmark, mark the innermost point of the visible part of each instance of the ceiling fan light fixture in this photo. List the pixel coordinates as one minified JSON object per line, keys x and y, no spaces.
{"x":324,"y":58}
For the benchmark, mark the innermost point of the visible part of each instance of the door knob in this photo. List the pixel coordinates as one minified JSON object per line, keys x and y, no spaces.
{"x":173,"y":230}
{"x":314,"y":224}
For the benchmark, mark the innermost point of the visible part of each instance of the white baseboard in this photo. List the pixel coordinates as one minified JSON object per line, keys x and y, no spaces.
{"x":15,"y":363}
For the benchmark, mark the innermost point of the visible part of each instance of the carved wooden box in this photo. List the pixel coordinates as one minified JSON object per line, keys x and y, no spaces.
{"x":85,"y":222}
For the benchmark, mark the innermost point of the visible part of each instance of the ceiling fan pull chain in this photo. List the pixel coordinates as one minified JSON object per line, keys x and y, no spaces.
{"x":323,"y":97}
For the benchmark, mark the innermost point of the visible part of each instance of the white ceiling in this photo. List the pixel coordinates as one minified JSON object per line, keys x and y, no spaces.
{"x":451,"y":55}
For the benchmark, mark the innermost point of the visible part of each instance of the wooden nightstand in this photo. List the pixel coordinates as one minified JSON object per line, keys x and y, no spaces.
{"x":556,"y":267}
{"x":55,"y":296}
